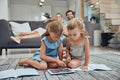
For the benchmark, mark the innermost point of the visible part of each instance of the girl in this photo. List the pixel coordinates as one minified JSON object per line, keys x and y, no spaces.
{"x":51,"y":47}
{"x":77,"y":44}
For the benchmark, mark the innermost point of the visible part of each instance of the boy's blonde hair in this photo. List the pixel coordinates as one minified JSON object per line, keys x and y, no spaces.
{"x":55,"y":27}
{"x":77,"y":23}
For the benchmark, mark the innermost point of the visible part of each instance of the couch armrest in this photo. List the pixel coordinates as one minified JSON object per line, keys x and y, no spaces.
{"x":5,"y":32}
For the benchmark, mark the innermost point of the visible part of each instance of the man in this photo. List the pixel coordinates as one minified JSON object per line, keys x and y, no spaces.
{"x":70,"y":15}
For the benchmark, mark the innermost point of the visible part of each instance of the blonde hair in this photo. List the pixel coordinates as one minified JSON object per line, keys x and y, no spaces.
{"x":77,"y":23}
{"x":55,"y":27}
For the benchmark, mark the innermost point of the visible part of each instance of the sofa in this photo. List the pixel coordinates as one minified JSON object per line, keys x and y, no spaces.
{"x":6,"y":32}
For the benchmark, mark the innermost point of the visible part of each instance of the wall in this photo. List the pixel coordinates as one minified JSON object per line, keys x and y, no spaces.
{"x":75,"y":6}
{"x":57,"y":6}
{"x":27,"y":12}
{"x":4,"y":9}
{"x":88,"y":12}
{"x":29,"y":9}
{"x":71,"y":5}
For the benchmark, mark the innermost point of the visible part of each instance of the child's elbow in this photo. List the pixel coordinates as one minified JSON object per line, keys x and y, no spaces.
{"x":42,"y":56}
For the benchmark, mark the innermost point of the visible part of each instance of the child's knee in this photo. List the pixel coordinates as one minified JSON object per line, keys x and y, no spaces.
{"x":73,"y":65}
{"x":42,"y":66}
{"x":53,"y":65}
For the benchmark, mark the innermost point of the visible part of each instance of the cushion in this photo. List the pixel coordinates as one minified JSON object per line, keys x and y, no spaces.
{"x":17,"y":27}
{"x":114,"y":41}
{"x":5,"y":32}
{"x":40,"y":30}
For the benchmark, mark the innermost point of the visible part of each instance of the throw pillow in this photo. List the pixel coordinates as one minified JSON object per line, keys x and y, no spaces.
{"x":40,"y":30}
{"x":17,"y":28}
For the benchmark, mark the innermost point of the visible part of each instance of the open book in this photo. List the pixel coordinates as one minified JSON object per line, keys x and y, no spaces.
{"x":60,"y":71}
{"x":95,"y":67}
{"x":12,"y":73}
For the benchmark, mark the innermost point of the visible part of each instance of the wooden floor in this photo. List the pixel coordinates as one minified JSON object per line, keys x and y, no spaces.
{"x":110,"y":59}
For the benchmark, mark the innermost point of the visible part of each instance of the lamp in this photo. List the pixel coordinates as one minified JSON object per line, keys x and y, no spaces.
{"x":42,"y":1}
{"x":40,"y":4}
{"x":97,"y":3}
{"x":91,"y":5}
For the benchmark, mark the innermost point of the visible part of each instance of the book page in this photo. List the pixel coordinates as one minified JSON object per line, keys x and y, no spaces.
{"x":96,"y":67}
{"x":79,"y":69}
{"x":26,"y":72}
{"x":7,"y":73}
{"x":99,"y":67}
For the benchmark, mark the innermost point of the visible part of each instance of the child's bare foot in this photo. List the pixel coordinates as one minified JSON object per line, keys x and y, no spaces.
{"x":24,"y":62}
{"x":15,"y":39}
{"x":26,"y":65}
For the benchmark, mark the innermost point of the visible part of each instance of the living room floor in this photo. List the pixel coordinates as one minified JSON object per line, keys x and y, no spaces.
{"x":103,"y":50}
{"x":93,"y":50}
{"x":99,"y":55}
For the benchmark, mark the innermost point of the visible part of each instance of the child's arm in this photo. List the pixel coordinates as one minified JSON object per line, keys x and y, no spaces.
{"x":60,"y":55}
{"x":47,"y":58}
{"x":43,"y":54}
{"x":60,"y":52}
{"x":68,"y":51}
{"x":65,"y":31}
{"x":51,"y":19}
{"x":87,"y":53}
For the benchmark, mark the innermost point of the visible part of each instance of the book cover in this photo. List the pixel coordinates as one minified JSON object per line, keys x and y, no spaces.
{"x":60,"y":71}
{"x":12,"y":73}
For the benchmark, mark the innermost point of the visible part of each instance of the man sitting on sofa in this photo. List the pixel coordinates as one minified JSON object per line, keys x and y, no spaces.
{"x":37,"y":32}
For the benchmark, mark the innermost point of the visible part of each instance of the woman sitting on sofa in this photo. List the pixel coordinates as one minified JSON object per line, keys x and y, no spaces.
{"x":38,"y":32}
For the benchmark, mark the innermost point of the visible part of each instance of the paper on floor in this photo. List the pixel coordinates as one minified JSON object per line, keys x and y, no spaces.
{"x":96,"y":67}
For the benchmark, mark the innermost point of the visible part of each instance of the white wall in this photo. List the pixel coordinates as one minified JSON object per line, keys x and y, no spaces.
{"x":75,"y":6}
{"x":4,"y":9}
{"x":29,"y":9}
{"x":71,"y":4}
{"x":27,"y":12}
{"x":60,"y":10}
